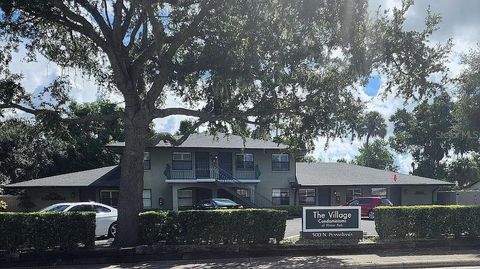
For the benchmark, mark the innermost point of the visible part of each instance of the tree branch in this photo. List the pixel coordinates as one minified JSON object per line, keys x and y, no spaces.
{"x":39,"y":112}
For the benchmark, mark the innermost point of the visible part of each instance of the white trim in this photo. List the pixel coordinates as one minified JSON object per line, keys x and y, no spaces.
{"x":208,"y":180}
{"x":304,"y":223}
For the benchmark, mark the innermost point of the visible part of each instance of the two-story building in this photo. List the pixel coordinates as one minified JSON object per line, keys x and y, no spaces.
{"x":253,"y":172}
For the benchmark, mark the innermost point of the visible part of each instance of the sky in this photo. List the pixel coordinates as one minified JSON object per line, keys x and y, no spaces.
{"x":460,"y":22}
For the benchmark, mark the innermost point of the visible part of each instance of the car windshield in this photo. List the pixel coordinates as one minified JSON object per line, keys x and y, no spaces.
{"x":224,"y":202}
{"x":385,"y":201}
{"x":55,"y":208}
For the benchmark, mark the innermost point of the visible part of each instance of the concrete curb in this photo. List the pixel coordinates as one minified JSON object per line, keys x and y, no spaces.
{"x":405,"y":265}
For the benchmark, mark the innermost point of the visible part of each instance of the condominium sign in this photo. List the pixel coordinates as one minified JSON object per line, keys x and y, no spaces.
{"x":330,"y":222}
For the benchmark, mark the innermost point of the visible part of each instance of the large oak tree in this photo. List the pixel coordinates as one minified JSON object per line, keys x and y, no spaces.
{"x":291,"y":65}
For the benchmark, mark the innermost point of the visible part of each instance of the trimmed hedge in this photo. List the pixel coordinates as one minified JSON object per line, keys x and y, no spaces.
{"x":423,"y":222}
{"x":213,"y":226}
{"x":46,"y":230}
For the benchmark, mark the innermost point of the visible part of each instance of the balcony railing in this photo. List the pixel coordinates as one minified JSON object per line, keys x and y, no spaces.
{"x":212,"y":172}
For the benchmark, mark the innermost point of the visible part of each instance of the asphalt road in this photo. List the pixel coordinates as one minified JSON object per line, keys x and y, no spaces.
{"x":294,"y":226}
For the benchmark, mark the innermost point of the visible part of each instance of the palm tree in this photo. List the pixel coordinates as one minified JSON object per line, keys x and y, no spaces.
{"x":372,"y":125}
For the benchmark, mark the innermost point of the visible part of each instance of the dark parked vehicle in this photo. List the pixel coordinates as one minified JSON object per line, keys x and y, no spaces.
{"x":217,"y":203}
{"x":368,"y":204}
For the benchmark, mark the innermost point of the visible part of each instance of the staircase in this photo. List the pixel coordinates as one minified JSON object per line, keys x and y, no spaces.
{"x":225,"y":180}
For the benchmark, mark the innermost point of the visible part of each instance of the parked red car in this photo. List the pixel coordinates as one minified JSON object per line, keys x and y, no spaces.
{"x":368,"y":204}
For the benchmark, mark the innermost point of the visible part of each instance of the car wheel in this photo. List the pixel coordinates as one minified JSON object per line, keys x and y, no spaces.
{"x":371,"y":215}
{"x":112,"y":231}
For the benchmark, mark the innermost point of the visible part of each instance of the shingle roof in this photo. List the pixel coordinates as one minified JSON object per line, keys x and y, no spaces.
{"x":343,"y":174}
{"x":203,"y":140}
{"x":100,"y":177}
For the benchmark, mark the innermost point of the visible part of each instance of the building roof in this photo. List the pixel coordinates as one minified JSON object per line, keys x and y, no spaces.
{"x":101,"y":177}
{"x":343,"y":174}
{"x":221,"y":140}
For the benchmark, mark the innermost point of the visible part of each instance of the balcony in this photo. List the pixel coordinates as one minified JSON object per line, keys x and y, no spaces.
{"x":211,"y":174}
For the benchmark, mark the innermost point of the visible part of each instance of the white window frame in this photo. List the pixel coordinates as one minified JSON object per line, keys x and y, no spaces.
{"x":380,"y":188}
{"x":147,"y":198}
{"x":185,"y":197}
{"x":280,"y":161}
{"x":280,"y":191}
{"x":244,"y":168}
{"x":306,"y":196}
{"x":356,"y":193}
{"x":147,"y":158}
{"x":183,"y":158}
{"x":110,"y":196}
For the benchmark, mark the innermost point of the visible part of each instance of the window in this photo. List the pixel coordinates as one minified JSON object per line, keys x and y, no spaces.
{"x":243,"y":193}
{"x":82,"y":208}
{"x":306,"y":196}
{"x":244,"y":161}
{"x":147,"y":198}
{"x":109,"y":198}
{"x":101,"y":209}
{"x":185,"y":198}
{"x":147,"y":163}
{"x":280,"y":196}
{"x":182,"y":161}
{"x":353,"y":194}
{"x":280,"y":162}
{"x":379,"y":192}
{"x":354,"y":203}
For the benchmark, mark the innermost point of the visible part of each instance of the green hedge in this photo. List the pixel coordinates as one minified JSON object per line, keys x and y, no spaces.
{"x":427,"y":221}
{"x":42,"y":230}
{"x":213,"y":226}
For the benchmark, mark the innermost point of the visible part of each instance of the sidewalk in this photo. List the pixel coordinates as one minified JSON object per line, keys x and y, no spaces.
{"x":417,"y":259}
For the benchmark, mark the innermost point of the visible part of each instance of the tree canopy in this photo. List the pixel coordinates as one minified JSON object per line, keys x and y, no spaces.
{"x":287,"y":65}
{"x":376,"y":155}
{"x":30,"y":150}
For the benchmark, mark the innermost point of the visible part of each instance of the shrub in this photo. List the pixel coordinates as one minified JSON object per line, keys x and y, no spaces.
{"x":293,"y":211}
{"x":213,"y":226}
{"x":157,"y":226}
{"x":427,"y":221}
{"x":46,"y":230}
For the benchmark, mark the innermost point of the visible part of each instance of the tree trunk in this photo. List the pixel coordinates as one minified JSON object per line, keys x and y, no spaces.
{"x":131,"y":181}
{"x":368,"y":138}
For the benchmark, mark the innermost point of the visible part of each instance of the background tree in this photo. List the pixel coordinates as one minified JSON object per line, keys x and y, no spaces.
{"x":258,"y":62}
{"x":27,"y":151}
{"x":466,"y":127}
{"x":185,"y":127}
{"x":424,"y":133}
{"x":30,"y":150}
{"x":372,"y":125}
{"x":464,"y":171}
{"x":376,"y":155}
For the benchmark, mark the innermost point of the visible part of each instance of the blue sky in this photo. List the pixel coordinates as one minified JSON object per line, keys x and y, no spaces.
{"x":460,"y":22}
{"x":373,"y":85}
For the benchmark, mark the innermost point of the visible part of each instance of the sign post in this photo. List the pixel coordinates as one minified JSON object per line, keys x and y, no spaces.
{"x":329,"y":222}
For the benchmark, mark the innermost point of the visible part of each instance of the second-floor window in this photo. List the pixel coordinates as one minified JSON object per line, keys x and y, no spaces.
{"x":244,"y":161}
{"x":147,"y":163}
{"x":182,"y":161}
{"x":280,"y":162}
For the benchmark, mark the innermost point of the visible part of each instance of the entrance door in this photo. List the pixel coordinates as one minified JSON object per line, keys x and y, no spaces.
{"x":396,"y":195}
{"x":202,"y":164}
{"x":324,"y":196}
{"x":225,"y":163}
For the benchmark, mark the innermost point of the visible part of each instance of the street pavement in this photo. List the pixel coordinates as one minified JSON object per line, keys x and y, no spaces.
{"x":294,"y":226}
{"x":414,"y":259}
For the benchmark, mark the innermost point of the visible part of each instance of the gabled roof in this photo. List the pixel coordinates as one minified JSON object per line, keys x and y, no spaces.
{"x":221,"y":140}
{"x":101,"y":177}
{"x":343,"y":174}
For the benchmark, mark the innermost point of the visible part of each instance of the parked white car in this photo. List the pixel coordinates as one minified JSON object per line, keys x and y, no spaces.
{"x":106,"y":216}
